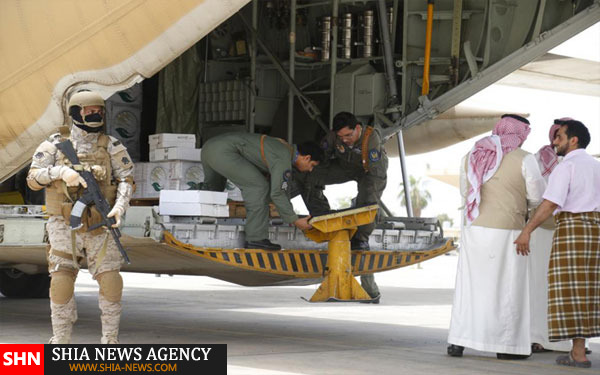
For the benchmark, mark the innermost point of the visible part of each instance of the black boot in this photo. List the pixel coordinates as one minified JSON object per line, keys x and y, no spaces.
{"x":262,"y":244}
{"x":455,"y":350}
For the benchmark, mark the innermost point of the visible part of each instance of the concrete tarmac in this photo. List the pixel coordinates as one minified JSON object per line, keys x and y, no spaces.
{"x":272,"y":331}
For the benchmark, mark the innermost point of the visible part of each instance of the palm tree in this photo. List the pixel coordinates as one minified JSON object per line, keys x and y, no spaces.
{"x":419,"y":197}
{"x":444,"y":217}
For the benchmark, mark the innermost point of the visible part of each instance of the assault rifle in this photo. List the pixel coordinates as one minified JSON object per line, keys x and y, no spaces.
{"x":91,"y":195}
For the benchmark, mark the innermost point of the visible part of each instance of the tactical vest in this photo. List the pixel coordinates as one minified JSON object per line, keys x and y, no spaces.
{"x":504,"y":196}
{"x":57,"y":203}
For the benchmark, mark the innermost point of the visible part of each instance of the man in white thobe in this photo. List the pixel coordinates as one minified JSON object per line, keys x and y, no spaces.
{"x":499,"y":181}
{"x":541,"y":244}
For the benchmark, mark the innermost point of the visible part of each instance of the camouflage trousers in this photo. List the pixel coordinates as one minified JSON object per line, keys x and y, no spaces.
{"x":88,"y":247}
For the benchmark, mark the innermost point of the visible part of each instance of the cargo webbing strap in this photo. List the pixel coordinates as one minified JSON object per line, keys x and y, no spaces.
{"x":262,"y":148}
{"x":365,"y":148}
{"x":74,"y":249}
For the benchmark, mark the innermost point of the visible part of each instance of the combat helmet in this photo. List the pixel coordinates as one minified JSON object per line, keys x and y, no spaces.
{"x":90,"y":123}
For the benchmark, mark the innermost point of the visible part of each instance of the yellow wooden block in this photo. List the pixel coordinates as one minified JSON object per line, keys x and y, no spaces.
{"x":344,"y":220}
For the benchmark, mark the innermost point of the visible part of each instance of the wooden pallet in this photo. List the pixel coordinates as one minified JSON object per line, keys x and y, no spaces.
{"x":238,"y":210}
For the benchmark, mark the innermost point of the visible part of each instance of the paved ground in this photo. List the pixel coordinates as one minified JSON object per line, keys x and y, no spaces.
{"x":272,"y":331}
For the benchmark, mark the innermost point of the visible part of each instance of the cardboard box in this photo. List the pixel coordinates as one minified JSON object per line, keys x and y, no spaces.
{"x":165,"y":140}
{"x":138,"y":178}
{"x":162,"y":137}
{"x":152,"y":177}
{"x":234,"y":192}
{"x":192,"y":209}
{"x":175,"y":153}
{"x":193,"y":196}
{"x":169,"y":175}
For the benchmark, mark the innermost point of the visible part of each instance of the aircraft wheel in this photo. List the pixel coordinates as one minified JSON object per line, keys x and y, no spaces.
{"x":17,"y":284}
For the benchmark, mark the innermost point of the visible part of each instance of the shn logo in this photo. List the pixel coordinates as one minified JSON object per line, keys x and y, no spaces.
{"x":21,"y":358}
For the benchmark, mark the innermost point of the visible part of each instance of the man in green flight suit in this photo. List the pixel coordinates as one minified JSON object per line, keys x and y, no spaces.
{"x":261,"y":167}
{"x":353,"y":152}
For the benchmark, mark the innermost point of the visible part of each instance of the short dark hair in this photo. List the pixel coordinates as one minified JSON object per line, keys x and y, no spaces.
{"x":345,"y":119}
{"x":576,"y":129}
{"x":312,"y":149}
{"x":516,"y":117}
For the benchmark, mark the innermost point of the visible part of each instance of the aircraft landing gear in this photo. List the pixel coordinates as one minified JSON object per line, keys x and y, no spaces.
{"x":17,"y":284}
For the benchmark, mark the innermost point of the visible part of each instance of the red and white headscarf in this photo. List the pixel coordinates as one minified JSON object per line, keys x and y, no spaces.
{"x":546,"y":155}
{"x":486,"y":156}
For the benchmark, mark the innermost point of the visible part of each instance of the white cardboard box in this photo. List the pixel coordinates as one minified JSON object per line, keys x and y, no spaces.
{"x":193,"y":196}
{"x":175,"y":153}
{"x":193,"y":209}
{"x":139,"y":178}
{"x":164,"y":140}
{"x":170,"y":137}
{"x":171,"y":144}
{"x":169,"y":175}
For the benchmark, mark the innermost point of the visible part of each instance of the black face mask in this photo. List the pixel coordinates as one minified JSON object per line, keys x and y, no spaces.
{"x":94,"y":117}
{"x":89,"y":129}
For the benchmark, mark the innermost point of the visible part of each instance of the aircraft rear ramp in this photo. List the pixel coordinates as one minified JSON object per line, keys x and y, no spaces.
{"x":161,"y":252}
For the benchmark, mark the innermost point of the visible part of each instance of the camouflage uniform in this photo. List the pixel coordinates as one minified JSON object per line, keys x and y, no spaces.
{"x":262,"y":172}
{"x":113,"y":169}
{"x":366,"y":163}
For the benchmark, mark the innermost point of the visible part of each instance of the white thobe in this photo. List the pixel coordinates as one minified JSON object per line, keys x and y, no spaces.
{"x":491,"y":300}
{"x":541,"y":246}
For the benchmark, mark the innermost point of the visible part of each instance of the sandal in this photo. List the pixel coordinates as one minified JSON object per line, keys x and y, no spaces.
{"x":538,"y":348}
{"x":567,"y":360}
{"x":455,"y":350}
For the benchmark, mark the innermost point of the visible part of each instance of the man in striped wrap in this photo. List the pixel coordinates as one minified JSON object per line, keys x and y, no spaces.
{"x":574,"y":270}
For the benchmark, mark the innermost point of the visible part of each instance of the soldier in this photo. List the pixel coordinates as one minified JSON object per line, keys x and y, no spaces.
{"x":112,"y":167}
{"x":353,"y":153}
{"x":246,"y":159}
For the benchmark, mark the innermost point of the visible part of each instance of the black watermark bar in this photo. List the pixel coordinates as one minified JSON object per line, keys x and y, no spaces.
{"x":135,"y":359}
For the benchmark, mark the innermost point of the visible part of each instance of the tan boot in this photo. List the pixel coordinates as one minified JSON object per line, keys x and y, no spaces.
{"x":64,"y":337}
{"x":110,"y":339}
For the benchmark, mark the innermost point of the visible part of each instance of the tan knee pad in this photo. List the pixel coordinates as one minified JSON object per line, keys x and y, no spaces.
{"x":111,"y":285}
{"x":62,"y":285}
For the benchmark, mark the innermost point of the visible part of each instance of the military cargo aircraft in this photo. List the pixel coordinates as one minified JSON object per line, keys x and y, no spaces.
{"x":280,"y":67}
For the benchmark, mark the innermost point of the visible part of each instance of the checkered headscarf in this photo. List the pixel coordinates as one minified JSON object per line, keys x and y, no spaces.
{"x":486,"y":156}
{"x":547,"y":155}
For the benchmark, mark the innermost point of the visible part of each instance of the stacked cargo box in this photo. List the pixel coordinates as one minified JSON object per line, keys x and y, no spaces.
{"x":174,"y":165}
{"x":167,"y":146}
{"x":193,"y":203}
{"x":124,"y":118}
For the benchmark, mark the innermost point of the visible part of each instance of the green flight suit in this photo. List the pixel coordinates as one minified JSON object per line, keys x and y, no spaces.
{"x":237,"y":157}
{"x":345,"y":164}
